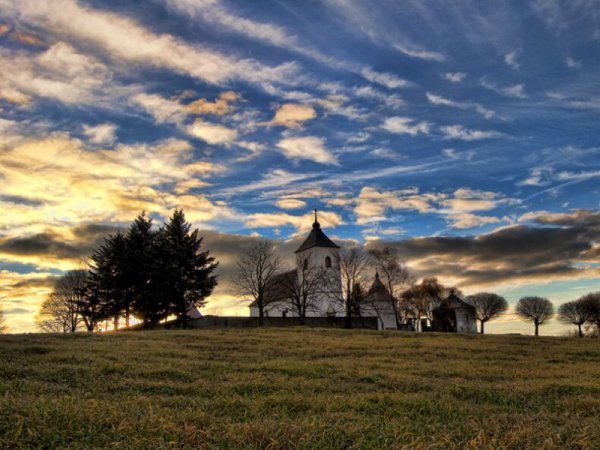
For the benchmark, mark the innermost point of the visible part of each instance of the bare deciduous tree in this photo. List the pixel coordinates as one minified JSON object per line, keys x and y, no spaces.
{"x":576,"y":312}
{"x":392,"y":272}
{"x":256,"y":270}
{"x":422,"y":299}
{"x":487,"y":306}
{"x":353,"y":263}
{"x":537,"y":309}
{"x":592,"y":300}
{"x":60,"y":311}
{"x":303,"y":286}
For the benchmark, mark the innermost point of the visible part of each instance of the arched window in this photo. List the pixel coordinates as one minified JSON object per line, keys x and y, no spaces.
{"x":327,"y":261}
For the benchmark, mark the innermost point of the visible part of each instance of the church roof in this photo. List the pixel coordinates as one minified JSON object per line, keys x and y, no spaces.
{"x":453,"y":301}
{"x":378,"y":292}
{"x":316,"y":238}
{"x":277,"y":289}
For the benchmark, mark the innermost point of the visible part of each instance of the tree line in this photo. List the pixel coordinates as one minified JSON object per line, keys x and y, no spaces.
{"x":261,"y":268}
{"x":144,"y":272}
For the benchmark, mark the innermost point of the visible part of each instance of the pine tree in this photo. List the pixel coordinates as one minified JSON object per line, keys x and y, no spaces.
{"x":187,"y":272}
{"x":108,"y":277}
{"x":142,"y":271}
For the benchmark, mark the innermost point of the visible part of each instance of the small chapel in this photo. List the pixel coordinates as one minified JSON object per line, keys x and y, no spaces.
{"x":453,"y":314}
{"x":322,"y":253}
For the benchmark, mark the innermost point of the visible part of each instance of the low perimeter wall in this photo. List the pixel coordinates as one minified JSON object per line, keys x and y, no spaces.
{"x":252,"y":322}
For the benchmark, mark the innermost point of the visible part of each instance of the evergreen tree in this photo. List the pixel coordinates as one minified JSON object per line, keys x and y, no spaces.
{"x":357,"y":297}
{"x":108,"y":277}
{"x":186,"y":276}
{"x":142,"y":272}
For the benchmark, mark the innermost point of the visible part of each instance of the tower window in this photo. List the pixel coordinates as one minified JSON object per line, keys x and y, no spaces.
{"x":327,"y":261}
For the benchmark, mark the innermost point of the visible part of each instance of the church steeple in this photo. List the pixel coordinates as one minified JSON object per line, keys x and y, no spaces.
{"x":316,"y":238}
{"x":316,"y":223}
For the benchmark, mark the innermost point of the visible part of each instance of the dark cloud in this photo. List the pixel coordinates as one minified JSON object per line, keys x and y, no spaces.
{"x":53,"y":245}
{"x":552,"y":246}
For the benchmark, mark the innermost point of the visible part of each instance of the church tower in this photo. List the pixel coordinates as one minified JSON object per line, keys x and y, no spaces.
{"x":322,"y":253}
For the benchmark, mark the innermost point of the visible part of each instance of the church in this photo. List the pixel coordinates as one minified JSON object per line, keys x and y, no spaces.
{"x":321,"y":253}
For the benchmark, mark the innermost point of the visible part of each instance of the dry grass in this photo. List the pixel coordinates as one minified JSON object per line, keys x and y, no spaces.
{"x":298,"y":388}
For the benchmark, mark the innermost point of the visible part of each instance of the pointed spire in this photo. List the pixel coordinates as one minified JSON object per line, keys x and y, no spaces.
{"x":316,"y":224}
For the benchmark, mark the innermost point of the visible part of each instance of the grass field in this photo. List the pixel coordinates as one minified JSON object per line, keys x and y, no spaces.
{"x":298,"y":388}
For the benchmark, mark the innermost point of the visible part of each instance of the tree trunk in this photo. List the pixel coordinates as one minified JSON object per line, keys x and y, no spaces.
{"x":348,"y":314}
{"x":482,"y":326}
{"x":127,"y":310}
{"x":261,"y":314}
{"x":536,"y":327}
{"x":116,"y":322}
{"x":580,"y":332}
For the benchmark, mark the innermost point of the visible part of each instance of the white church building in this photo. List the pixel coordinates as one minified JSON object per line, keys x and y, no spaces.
{"x":322,"y":253}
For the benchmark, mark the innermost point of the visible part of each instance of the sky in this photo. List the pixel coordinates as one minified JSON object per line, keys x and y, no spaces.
{"x":464,"y":132}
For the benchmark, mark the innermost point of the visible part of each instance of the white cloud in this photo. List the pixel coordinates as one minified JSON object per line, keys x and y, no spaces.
{"x":438,"y":100}
{"x":579,"y":176}
{"x":162,"y":109}
{"x":573,"y":64}
{"x":465,"y":134}
{"x":515,"y":91}
{"x":405,"y":125}
{"x":59,"y":72}
{"x":386,"y":79}
{"x":455,"y":77}
{"x":307,"y":147}
{"x":510,"y":59}
{"x":219,"y":107}
{"x":212,"y":133}
{"x":292,"y":115}
{"x":538,"y":176}
{"x":420,"y":54}
{"x":467,"y":220}
{"x":290,"y":203}
{"x":302,"y":224}
{"x":124,"y":39}
{"x":103,"y":133}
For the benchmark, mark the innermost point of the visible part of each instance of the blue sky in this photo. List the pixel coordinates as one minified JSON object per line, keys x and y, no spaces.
{"x":429,"y":124}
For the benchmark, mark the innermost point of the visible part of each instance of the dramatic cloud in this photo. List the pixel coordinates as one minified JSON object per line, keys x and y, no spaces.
{"x":60,"y":72}
{"x":511,"y":255}
{"x":126,"y":40}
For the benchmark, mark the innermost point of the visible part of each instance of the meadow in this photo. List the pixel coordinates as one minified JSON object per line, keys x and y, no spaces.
{"x":298,"y":388}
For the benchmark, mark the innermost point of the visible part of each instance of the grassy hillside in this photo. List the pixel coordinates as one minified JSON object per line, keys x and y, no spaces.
{"x":298,"y":388}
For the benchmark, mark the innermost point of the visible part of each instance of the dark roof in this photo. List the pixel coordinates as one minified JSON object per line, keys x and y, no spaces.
{"x":453,"y":301}
{"x":277,"y":289}
{"x":316,"y":238}
{"x":378,"y":292}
